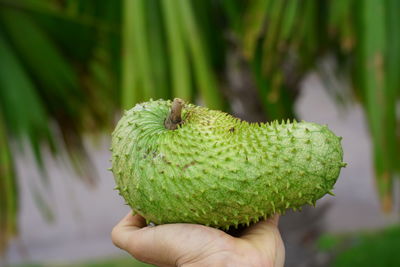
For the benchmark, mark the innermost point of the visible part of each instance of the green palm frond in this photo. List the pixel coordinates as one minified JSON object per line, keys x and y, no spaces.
{"x":373,"y":45}
{"x":8,"y":191}
{"x":22,"y":107}
{"x":49,"y":84}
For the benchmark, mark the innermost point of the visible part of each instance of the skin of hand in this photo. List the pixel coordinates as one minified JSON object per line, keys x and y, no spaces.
{"x":197,"y":245}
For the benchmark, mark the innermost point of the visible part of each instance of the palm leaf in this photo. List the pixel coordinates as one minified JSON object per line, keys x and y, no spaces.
{"x":8,"y":191}
{"x":158,"y":51}
{"x":205,"y":79}
{"x":392,"y":60}
{"x":22,"y":107}
{"x":130,"y":82}
{"x":254,"y":25}
{"x":178,"y":51}
{"x":372,"y":52}
{"x":57,"y":80}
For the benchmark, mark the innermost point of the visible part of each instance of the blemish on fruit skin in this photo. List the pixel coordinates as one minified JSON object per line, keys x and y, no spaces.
{"x":189,"y":164}
{"x":266,"y":162}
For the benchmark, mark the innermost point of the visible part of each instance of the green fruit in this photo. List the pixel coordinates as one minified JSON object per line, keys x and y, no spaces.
{"x":217,"y":170}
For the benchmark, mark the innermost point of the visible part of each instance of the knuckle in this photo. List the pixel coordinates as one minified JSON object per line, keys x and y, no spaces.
{"x":115,"y":236}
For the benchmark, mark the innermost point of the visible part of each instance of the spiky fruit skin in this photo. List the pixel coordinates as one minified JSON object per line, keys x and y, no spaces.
{"x":217,"y":170}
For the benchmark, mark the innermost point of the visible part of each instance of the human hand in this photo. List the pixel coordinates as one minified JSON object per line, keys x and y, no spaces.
{"x":197,"y":245}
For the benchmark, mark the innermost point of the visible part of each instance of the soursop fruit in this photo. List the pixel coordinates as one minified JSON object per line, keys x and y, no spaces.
{"x":196,"y":165}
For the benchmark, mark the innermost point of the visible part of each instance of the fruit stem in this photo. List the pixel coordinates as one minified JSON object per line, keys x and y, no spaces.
{"x":175,"y":116}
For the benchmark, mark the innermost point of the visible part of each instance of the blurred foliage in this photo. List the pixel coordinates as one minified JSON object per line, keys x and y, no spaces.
{"x":364,"y":249}
{"x":67,"y":65}
{"x":57,"y":65}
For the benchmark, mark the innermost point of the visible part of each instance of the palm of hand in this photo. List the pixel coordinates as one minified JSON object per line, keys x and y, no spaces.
{"x":198,"y":245}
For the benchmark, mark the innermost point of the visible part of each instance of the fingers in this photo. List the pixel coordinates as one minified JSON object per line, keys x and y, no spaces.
{"x":154,"y":245}
{"x":167,"y":245}
{"x":130,"y":220}
{"x":128,"y":235}
{"x":275,"y":220}
{"x":265,"y":237}
{"x":172,"y":244}
{"x":261,"y":228}
{"x":129,"y":224}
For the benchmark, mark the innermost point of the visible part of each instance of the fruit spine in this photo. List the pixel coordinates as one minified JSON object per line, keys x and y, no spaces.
{"x":210,"y":168}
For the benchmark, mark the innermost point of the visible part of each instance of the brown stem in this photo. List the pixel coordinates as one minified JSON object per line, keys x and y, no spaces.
{"x":175,"y":116}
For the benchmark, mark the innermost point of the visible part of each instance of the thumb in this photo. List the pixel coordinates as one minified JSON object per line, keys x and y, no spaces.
{"x":265,"y":237}
{"x":168,"y":244}
{"x":262,"y":230}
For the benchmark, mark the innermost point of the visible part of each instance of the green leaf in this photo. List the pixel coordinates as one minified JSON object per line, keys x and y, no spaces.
{"x":340,"y":22}
{"x":138,"y":83}
{"x":157,"y":47}
{"x":274,"y":21}
{"x":289,"y":20}
{"x":373,"y":51}
{"x":254,"y":25}
{"x":233,"y":11}
{"x":178,"y":51}
{"x":208,"y":15}
{"x":392,"y":82}
{"x":205,"y":78}
{"x":370,"y":249}
{"x":56,"y":79}
{"x":22,"y":107}
{"x":130,"y":94}
{"x":8,"y":191}
{"x":328,"y":242}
